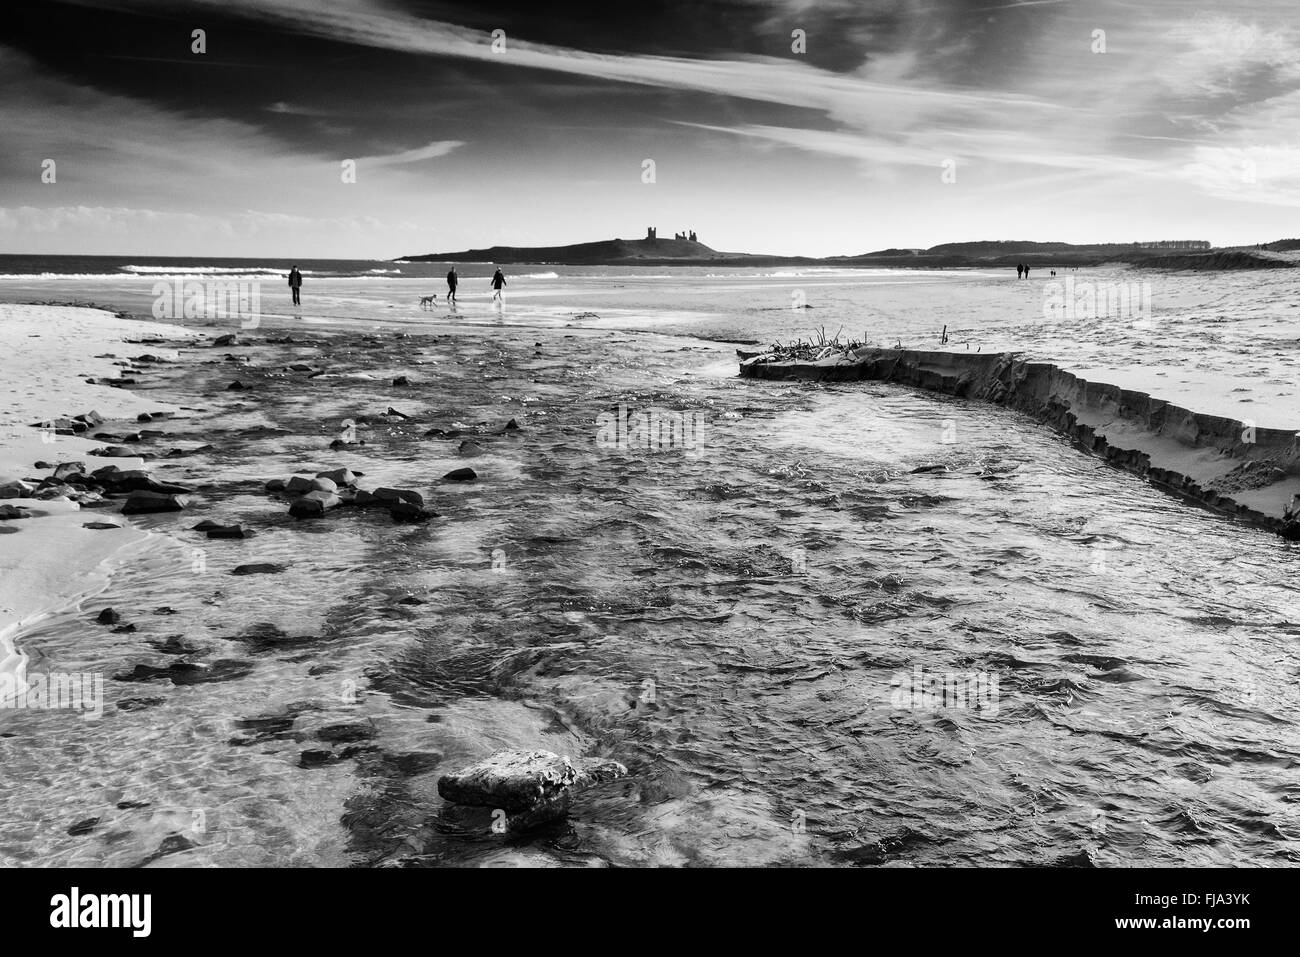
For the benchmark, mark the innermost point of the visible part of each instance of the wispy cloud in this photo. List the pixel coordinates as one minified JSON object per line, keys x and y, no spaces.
{"x":431,"y":151}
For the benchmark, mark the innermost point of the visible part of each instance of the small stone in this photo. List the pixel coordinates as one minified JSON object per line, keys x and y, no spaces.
{"x":17,"y":489}
{"x":387,"y":496}
{"x":235,"y":386}
{"x":108,"y":617}
{"x":393,"y":412}
{"x":344,"y":733}
{"x":314,"y":503}
{"x":258,"y":568}
{"x":469,"y":448}
{"x":11,"y":512}
{"x":409,"y":512}
{"x":99,"y":525}
{"x":144,"y":417}
{"x":82,"y":827}
{"x":143,"y":503}
{"x":316,"y":758}
{"x":138,"y":480}
{"x":323,"y":485}
{"x":275,"y":485}
{"x":401,"y":380}
{"x":65,"y":470}
{"x":227,"y":340}
{"x":176,"y":645}
{"x":138,"y":704}
{"x":341,"y":477}
{"x":230,"y":532}
{"x":461,"y":475}
{"x":48,"y":491}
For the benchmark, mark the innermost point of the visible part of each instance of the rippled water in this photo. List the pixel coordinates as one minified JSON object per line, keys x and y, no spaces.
{"x":730,"y":622}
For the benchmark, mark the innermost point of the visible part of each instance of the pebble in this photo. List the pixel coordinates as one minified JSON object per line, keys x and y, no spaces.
{"x":314,"y":503}
{"x":258,"y":568}
{"x":143,"y":503}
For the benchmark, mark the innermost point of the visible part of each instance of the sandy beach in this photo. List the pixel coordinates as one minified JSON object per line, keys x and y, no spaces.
{"x":52,"y":559}
{"x":678,"y":611}
{"x":760,"y":434}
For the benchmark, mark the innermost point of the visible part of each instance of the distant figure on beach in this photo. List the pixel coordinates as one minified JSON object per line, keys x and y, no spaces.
{"x":498,"y":281}
{"x":295,"y":283}
{"x":1026,"y":270}
{"x":1020,"y":271}
{"x":452,"y":279}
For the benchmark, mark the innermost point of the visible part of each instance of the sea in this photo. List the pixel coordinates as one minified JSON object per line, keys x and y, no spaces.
{"x":822,"y":624}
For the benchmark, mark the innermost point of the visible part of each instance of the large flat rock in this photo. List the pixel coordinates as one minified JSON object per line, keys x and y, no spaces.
{"x":530,"y":786}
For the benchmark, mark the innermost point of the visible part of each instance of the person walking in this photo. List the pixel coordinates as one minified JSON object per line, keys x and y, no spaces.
{"x":498,"y":283}
{"x":1020,"y":271}
{"x":452,"y":280}
{"x":295,"y":283}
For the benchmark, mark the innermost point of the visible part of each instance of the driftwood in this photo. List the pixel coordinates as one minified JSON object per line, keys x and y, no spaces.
{"x":801,"y":350}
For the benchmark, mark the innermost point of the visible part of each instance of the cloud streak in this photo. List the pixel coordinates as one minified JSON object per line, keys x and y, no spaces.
{"x":433,"y":150}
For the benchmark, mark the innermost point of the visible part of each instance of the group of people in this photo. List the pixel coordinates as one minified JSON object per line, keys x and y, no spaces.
{"x":1022,"y":271}
{"x":498,"y":283}
{"x":453,"y":280}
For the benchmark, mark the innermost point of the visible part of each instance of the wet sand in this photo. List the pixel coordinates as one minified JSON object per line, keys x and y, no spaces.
{"x":50,"y":559}
{"x":728,"y":625}
{"x":1239,"y":467}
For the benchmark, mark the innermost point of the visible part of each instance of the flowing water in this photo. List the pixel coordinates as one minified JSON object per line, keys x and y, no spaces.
{"x":736,"y":621}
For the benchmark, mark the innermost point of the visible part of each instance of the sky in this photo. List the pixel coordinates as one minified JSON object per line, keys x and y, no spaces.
{"x":772,"y":126}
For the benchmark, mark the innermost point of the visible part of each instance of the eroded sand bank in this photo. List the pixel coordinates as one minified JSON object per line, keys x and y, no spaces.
{"x":1224,"y":463}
